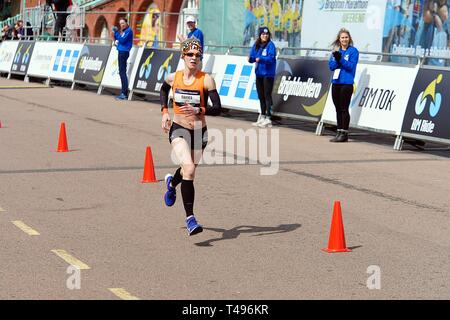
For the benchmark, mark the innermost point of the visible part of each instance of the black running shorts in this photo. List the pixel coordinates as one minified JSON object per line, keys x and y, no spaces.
{"x":198,"y":139}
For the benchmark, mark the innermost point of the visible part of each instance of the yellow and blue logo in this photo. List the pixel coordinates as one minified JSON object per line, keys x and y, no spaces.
{"x":430,"y":95}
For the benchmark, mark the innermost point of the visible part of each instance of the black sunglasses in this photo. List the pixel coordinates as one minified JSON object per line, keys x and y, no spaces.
{"x":191,"y":54}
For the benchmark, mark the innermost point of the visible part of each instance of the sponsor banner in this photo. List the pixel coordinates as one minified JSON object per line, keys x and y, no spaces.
{"x":301,"y":87}
{"x":428,"y":111}
{"x":418,"y":27}
{"x":92,"y":63}
{"x":380,"y":97}
{"x":235,"y":81}
{"x":363,"y":18}
{"x":22,"y":57}
{"x":65,"y":61}
{"x":7,"y":52}
{"x":153,"y":68}
{"x":40,"y":63}
{"x":111,"y":77}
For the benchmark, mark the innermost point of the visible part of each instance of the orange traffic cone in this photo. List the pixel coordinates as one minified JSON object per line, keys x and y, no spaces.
{"x":62,"y":143}
{"x":336,"y":242}
{"x":149,"y":170}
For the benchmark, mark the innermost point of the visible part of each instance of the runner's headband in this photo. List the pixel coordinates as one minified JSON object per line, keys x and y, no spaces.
{"x":190,"y":44}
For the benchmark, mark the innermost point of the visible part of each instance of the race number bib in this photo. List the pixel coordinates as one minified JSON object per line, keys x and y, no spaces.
{"x":182,"y":97}
{"x":336,"y":74}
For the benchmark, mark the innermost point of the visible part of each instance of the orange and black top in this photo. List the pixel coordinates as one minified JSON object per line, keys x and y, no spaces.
{"x":193,"y":94}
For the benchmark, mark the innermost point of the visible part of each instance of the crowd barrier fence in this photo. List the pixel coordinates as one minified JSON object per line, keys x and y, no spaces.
{"x":405,"y":100}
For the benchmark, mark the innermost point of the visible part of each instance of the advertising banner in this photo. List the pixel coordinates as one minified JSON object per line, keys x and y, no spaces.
{"x":40,"y":63}
{"x":7,"y":52}
{"x":65,"y":61}
{"x":428,"y":112}
{"x":301,"y":87}
{"x":380,"y":98}
{"x":323,"y":19}
{"x":417,"y":27}
{"x":111,"y":78}
{"x":153,"y":68}
{"x":235,"y":81}
{"x":92,"y":63}
{"x":22,"y":57}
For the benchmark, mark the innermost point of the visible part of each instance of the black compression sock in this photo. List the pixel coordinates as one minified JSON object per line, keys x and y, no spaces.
{"x":177,"y":177}
{"x":188,"y":193}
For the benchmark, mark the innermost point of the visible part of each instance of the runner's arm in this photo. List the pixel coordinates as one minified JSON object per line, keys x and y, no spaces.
{"x":211,"y":92}
{"x":164,"y":93}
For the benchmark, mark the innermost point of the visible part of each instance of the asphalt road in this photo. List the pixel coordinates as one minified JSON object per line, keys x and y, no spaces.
{"x":263,"y":233}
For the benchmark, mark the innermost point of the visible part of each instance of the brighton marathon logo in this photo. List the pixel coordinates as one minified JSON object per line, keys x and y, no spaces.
{"x":298,"y":88}
{"x":330,"y":5}
{"x":431,"y":98}
{"x":90,"y":64}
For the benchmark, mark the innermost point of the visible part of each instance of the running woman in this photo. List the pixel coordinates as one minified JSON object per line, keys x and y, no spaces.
{"x":188,"y":133}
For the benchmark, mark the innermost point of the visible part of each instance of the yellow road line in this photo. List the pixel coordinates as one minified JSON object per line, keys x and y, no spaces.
{"x":71,"y":259}
{"x":2,"y":210}
{"x":123,"y":294}
{"x":22,"y":87}
{"x":28,"y":230}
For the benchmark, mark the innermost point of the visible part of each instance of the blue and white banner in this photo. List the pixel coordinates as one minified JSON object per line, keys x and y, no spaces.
{"x":64,"y":64}
{"x":43,"y":55}
{"x":7,"y":52}
{"x":380,"y":97}
{"x":322,"y":20}
{"x":235,"y":81}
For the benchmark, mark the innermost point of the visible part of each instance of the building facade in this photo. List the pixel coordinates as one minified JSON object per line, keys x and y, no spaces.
{"x":151,"y":20}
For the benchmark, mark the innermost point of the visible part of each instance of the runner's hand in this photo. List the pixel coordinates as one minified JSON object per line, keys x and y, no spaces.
{"x":189,"y":109}
{"x":166,"y":122}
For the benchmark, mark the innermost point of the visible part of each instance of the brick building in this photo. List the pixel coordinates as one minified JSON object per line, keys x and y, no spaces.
{"x":102,"y":15}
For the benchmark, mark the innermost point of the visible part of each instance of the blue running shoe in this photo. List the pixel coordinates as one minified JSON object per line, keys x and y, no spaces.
{"x":192,"y":226}
{"x":121,"y":97}
{"x":171,"y":194}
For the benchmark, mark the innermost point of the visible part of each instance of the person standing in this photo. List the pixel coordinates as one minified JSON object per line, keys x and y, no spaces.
{"x":188,"y":133}
{"x":124,"y":43}
{"x":343,"y":62}
{"x":194,"y":32}
{"x":60,"y":6}
{"x":263,"y":53}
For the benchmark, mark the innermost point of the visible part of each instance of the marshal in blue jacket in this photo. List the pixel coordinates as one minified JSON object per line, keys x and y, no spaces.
{"x":347,"y":64}
{"x":267,"y":60}
{"x":125,"y":39}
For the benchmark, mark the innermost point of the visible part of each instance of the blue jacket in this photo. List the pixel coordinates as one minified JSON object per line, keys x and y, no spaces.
{"x":197,"y":33}
{"x":347,"y":64}
{"x":267,"y":60}
{"x":125,"y":40}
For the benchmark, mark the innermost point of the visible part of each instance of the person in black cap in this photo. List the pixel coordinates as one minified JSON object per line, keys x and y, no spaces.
{"x":264,"y":54}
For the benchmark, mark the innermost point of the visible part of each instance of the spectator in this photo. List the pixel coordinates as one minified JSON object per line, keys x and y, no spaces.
{"x":19,"y":30}
{"x":264,"y":53}
{"x":124,"y":43}
{"x":194,"y":32}
{"x":343,"y":62}
{"x":6,"y":33}
{"x":60,"y":6}
{"x":29,"y":31}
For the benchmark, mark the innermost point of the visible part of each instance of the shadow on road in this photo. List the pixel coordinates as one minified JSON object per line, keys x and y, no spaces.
{"x":236,"y":231}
